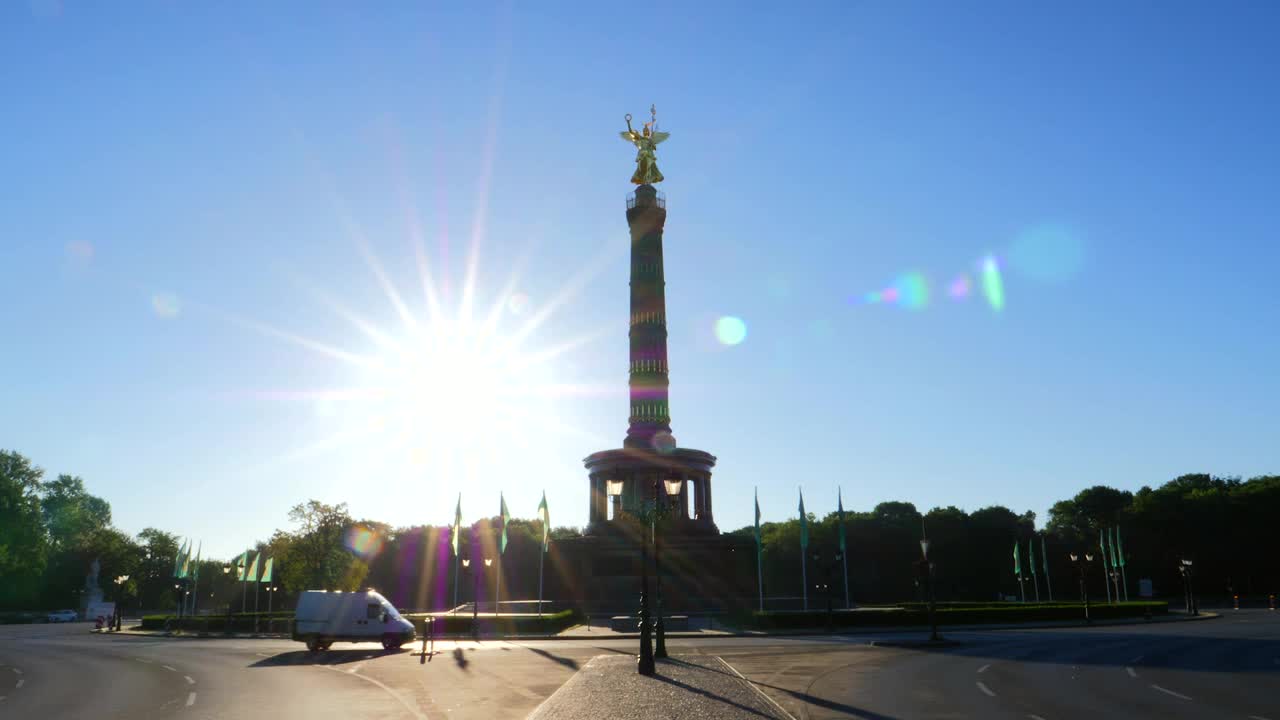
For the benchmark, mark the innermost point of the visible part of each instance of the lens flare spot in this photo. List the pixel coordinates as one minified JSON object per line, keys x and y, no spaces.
{"x":992,"y":284}
{"x":912,"y":291}
{"x":518,"y":303}
{"x":960,"y":288}
{"x":165,"y":305}
{"x":731,"y":330}
{"x":363,"y":541}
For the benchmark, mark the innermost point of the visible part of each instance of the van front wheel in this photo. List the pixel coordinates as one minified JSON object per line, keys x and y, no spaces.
{"x":390,"y":642}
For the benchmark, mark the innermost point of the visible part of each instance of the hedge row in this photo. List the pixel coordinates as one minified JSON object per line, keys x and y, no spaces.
{"x":1007,"y":613}
{"x":239,"y":622}
{"x":461,"y":623}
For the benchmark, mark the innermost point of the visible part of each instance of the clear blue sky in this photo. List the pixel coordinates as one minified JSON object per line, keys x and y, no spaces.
{"x":192,"y":198}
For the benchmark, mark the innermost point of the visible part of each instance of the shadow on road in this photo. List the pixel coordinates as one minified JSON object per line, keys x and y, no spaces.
{"x":1195,"y":653}
{"x":803,"y":697}
{"x":328,"y":657}
{"x":567,"y":662}
{"x":704,"y":693}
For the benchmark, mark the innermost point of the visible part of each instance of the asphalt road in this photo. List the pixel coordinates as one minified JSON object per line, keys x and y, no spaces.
{"x":1225,"y":668}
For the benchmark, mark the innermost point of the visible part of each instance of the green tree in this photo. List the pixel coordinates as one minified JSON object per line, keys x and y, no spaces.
{"x":22,"y":534}
{"x":318,"y":558}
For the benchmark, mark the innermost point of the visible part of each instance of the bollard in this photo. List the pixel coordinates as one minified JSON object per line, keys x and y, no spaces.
{"x":1235,"y":599}
{"x":1271,"y":602}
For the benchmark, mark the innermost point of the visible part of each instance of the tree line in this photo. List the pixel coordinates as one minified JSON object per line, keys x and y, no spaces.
{"x":50,"y":530}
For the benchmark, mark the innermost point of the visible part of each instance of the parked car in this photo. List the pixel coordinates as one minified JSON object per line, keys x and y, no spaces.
{"x":58,"y":616}
{"x":323,"y":617}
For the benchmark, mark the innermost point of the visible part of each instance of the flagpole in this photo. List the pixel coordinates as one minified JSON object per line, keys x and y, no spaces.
{"x":1044,"y":555}
{"x":804,"y":578}
{"x":760,"y":574}
{"x":1106,"y":574}
{"x":455,"y":582}
{"x":1031,"y":557}
{"x":541,"y":557}
{"x":1120,"y":554}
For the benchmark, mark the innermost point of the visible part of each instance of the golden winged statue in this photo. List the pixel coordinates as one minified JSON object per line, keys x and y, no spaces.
{"x":646,"y":142}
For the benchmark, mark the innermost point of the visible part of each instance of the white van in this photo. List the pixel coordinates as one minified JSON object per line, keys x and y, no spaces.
{"x":323,"y":617}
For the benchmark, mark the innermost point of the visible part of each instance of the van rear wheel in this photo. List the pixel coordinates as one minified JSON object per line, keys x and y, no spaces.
{"x":313,"y":644}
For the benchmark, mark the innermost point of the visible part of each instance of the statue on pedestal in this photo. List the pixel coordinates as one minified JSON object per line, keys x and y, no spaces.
{"x":646,"y":142}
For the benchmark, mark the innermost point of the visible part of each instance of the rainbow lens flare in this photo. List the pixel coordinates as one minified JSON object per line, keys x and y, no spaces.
{"x":165,"y":305}
{"x":363,"y":541}
{"x":960,"y":288}
{"x":992,"y":284}
{"x":912,"y":291}
{"x":731,"y":330}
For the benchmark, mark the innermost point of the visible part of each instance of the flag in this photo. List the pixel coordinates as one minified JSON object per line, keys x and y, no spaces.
{"x":243,"y":566}
{"x":1119,"y":548}
{"x":1115,"y":562}
{"x":457,"y":526}
{"x":1017,"y":560}
{"x":506,"y":516}
{"x":253,"y":569}
{"x":195,"y":570}
{"x":177,"y":560}
{"x":840,"y":516}
{"x":266,"y":570}
{"x":545,"y":514}
{"x":1102,"y":544}
{"x":804,"y":524}
{"x":758,"y":544}
{"x":1044,"y":556}
{"x":1031,"y":555}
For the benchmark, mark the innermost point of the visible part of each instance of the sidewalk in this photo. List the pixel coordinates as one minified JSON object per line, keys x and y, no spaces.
{"x":603,"y":632}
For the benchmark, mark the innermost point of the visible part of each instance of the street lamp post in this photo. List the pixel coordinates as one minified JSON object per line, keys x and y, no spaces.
{"x":1184,"y":568}
{"x":120,"y":581}
{"x":826,"y":568}
{"x":644,"y":663}
{"x":672,"y":488}
{"x":1082,"y":570}
{"x":927,"y":568}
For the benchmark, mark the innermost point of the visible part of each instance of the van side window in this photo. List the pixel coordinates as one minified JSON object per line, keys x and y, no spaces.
{"x":374,"y":611}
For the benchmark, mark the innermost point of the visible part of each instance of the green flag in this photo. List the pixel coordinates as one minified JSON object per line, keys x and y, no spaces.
{"x":177,"y":560}
{"x":457,"y":526}
{"x":1017,"y":560}
{"x":1119,"y":548}
{"x":758,"y":544}
{"x":840,"y":516}
{"x":195,"y":567}
{"x":506,"y":516}
{"x":266,"y":570}
{"x":545,"y":514}
{"x":1102,"y":544}
{"x":1115,"y":561}
{"x":804,"y":524}
{"x":1031,"y":555}
{"x":242,"y":566}
{"x":253,"y":569}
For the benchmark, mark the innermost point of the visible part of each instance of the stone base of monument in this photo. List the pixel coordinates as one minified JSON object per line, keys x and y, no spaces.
{"x":685,"y":686}
{"x":700,"y":573}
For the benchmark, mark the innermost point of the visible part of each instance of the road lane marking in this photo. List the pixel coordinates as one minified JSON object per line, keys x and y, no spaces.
{"x":189,"y":680}
{"x":17,"y":671}
{"x":1136,"y":660}
{"x":191,"y":699}
{"x":1035,"y":717}
{"x":143,"y":660}
{"x":412,"y":710}
{"x":1132,"y":674}
{"x":15,"y":687}
{"x":263,"y":655}
{"x":1167,"y":691}
{"x":985,"y":689}
{"x":1251,"y":717}
{"x":355,"y":667}
{"x":757,"y":689}
{"x":984,"y":668}
{"x":166,"y":667}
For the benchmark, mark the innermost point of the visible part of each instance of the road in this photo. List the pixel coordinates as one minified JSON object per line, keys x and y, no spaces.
{"x":1225,"y":668}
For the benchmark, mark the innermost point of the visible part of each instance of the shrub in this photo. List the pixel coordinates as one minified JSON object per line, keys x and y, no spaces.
{"x":954,"y":614}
